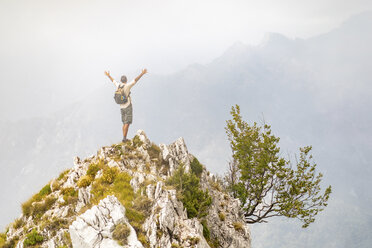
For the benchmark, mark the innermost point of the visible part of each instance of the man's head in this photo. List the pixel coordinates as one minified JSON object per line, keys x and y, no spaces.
{"x":123,"y":79}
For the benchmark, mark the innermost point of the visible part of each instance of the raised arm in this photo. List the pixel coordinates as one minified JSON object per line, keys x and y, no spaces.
{"x":107,"y":73}
{"x":144,"y":71}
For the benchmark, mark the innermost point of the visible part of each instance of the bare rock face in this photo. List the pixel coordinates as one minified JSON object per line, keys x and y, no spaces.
{"x":168,"y":223}
{"x":94,"y":228}
{"x":175,"y":154}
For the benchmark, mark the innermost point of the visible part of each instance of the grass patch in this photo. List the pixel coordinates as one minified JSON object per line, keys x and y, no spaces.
{"x":33,"y":238}
{"x":8,"y":243}
{"x":54,"y":225}
{"x":28,"y":207}
{"x":121,"y":233}
{"x":2,"y":239}
{"x":114,"y":182}
{"x":221,"y":216}
{"x":63,"y":175}
{"x":37,"y":209}
{"x":154,"y":151}
{"x":84,"y":181}
{"x":94,"y":168}
{"x":18,"y":223}
{"x":238,"y":226}
{"x":46,"y":190}
{"x":136,"y":142}
{"x":70,"y":195}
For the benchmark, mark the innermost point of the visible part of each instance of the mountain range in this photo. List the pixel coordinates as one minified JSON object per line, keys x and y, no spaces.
{"x":312,"y":91}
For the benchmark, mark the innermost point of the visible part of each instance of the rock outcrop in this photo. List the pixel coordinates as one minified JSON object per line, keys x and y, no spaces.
{"x":121,"y":197}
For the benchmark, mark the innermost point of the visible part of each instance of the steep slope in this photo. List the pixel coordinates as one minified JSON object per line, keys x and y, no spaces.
{"x":129,"y":195}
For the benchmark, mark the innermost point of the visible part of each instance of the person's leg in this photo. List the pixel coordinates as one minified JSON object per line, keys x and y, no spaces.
{"x":125,"y":130}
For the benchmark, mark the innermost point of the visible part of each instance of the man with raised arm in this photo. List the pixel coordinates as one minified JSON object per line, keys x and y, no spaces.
{"x":126,"y":108}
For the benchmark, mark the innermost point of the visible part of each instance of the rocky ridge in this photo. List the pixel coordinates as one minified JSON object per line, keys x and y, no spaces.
{"x":121,"y":197}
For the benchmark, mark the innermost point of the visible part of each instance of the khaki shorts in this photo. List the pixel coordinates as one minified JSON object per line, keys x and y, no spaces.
{"x":127,"y":114}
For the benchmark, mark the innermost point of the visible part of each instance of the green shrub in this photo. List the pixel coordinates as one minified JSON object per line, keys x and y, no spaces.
{"x":196,"y":167}
{"x":121,"y":233}
{"x":109,"y":174}
{"x":33,"y":238}
{"x":194,"y":199}
{"x":84,"y":181}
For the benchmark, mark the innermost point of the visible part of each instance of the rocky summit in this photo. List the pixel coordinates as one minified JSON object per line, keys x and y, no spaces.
{"x":135,"y":194}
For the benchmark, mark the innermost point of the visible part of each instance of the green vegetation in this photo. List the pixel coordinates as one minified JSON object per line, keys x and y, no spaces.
{"x":109,"y":174}
{"x":88,"y":178}
{"x":267,"y":184}
{"x":94,"y":168}
{"x":2,"y":239}
{"x":221,"y":216}
{"x":54,"y":224}
{"x":36,"y":208}
{"x":194,"y":199}
{"x":45,"y":191}
{"x":33,"y":238}
{"x":63,"y":174}
{"x":8,"y":243}
{"x":206,"y":232}
{"x":84,"y":181}
{"x":114,"y":182}
{"x":154,"y":151}
{"x":70,"y":195}
{"x":196,"y":167}
{"x":18,"y":223}
{"x":121,"y":233}
{"x":136,"y":142}
{"x":67,"y":239}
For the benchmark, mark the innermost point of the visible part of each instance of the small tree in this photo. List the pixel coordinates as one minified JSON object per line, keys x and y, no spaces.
{"x":266,"y":183}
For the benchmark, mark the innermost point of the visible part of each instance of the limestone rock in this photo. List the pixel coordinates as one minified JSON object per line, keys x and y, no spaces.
{"x":94,"y":228}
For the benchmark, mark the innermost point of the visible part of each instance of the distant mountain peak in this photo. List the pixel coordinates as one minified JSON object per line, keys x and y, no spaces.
{"x":271,"y":39}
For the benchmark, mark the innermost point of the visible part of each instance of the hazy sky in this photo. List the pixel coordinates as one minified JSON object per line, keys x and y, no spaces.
{"x":57,"y":49}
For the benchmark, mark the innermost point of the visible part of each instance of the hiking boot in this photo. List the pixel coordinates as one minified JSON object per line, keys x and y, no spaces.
{"x":125,"y":140}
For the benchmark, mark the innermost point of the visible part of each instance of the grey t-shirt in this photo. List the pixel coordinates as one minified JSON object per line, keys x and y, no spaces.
{"x":127,"y":87}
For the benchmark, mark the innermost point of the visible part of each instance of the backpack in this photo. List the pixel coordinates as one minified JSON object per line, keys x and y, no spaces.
{"x":120,"y":97}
